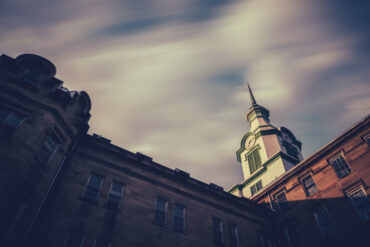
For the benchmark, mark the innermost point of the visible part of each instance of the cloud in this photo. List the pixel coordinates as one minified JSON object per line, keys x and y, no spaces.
{"x":167,"y":78}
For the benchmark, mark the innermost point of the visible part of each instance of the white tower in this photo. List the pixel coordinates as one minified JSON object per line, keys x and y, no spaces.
{"x":265,"y":151}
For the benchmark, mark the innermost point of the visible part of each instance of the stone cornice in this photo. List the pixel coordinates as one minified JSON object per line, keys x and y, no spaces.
{"x":263,"y":169}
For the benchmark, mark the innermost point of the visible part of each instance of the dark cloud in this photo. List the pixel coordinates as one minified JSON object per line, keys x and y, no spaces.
{"x":175,"y":71}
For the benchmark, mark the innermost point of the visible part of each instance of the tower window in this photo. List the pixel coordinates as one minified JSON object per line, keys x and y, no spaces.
{"x":160,"y":211}
{"x":218,"y":232}
{"x":256,"y":187}
{"x":93,"y":187}
{"x":234,"y":236}
{"x":115,"y":194}
{"x":291,"y":150}
{"x":324,"y":222}
{"x":179,"y":218}
{"x":340,"y":166}
{"x":361,"y":203}
{"x":309,"y":185}
{"x":254,"y":160}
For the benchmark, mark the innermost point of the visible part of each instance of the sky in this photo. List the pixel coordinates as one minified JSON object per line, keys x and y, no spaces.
{"x":168,"y":77}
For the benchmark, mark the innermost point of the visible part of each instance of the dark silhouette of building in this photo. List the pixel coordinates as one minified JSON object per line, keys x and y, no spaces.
{"x":63,"y":187}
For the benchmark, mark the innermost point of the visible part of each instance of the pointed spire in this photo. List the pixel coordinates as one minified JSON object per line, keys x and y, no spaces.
{"x":253,"y":100}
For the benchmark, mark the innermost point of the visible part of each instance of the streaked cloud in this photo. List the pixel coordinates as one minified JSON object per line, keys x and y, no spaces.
{"x":167,"y":78}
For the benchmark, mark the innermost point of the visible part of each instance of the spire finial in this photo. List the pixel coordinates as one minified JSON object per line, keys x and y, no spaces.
{"x":253,"y":100}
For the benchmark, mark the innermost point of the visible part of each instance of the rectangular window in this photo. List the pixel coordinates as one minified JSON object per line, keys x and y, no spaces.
{"x":367,"y":139}
{"x":340,"y":166}
{"x":309,"y":185}
{"x":254,"y":160}
{"x":75,"y":239}
{"x":234,"y":236}
{"x":47,"y":149}
{"x":9,"y":122}
{"x":256,"y":187}
{"x":31,"y":77}
{"x":93,"y":187}
{"x":179,"y":218}
{"x":281,"y":200}
{"x":160,"y":216}
{"x":361,"y":203}
{"x":99,"y":242}
{"x":218,"y":232}
{"x":115,"y":194}
{"x":324,"y":222}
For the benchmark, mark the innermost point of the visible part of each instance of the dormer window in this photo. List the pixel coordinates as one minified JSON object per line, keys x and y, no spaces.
{"x":31,"y":77}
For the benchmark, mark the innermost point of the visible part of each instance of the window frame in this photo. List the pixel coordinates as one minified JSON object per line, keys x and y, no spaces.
{"x":58,"y":142}
{"x":323,"y":233}
{"x":282,"y":207}
{"x":251,"y":154}
{"x":183,"y":228}
{"x":335,"y":157}
{"x":366,"y":138}
{"x":220,"y":231}
{"x":7,"y":128}
{"x":233,"y":226}
{"x":255,"y":186}
{"x":87,"y":186}
{"x":156,"y":210}
{"x":107,"y":203}
{"x":359,"y":213}
{"x":304,"y":185}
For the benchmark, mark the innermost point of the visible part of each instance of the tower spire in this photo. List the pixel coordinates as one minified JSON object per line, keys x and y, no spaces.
{"x":253,"y":100}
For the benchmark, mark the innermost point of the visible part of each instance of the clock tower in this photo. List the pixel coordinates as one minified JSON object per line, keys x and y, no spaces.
{"x":265,"y":151}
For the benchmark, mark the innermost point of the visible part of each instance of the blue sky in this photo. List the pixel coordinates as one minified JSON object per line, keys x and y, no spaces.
{"x":168,"y":77}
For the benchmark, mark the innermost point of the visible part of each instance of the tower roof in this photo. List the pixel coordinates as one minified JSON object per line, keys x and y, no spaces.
{"x":253,"y":100}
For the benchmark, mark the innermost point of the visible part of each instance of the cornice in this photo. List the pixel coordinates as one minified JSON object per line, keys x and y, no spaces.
{"x":263,"y":169}
{"x":339,"y":140}
{"x":54,"y":111}
{"x":241,"y":202}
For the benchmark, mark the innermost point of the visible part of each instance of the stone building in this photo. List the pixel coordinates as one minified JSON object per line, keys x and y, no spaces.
{"x":61,"y":186}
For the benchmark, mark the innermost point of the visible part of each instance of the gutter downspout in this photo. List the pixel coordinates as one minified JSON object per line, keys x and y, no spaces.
{"x":69,"y":152}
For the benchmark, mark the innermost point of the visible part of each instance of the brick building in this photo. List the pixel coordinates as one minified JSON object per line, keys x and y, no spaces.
{"x":63,"y":187}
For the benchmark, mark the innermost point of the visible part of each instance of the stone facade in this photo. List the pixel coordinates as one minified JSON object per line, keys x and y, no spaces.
{"x":48,"y":167}
{"x":63,"y":187}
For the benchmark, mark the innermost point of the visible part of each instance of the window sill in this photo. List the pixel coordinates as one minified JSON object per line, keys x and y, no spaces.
{"x":94,"y":202}
{"x":165,"y":226}
{"x":308,"y":196}
{"x":114,"y":209}
{"x":179,"y":231}
{"x":340,"y":178}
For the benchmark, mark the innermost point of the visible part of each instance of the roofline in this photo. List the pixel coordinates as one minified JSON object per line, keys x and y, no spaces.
{"x":147,"y":162}
{"x":287,"y":175}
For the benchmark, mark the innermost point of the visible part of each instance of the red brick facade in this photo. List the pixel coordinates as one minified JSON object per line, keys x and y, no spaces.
{"x":333,"y":192}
